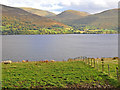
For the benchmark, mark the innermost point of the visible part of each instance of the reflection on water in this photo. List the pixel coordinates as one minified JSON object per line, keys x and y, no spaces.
{"x":58,"y":47}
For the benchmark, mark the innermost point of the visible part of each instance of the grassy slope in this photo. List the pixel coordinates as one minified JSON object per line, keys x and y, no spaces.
{"x":58,"y":74}
{"x":98,"y":66}
{"x":106,"y":20}
{"x":38,"y":12}
{"x":23,"y":17}
{"x":112,"y":64}
{"x":69,"y":15}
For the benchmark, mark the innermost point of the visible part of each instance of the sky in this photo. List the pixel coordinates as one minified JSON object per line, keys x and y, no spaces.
{"x":57,"y":6}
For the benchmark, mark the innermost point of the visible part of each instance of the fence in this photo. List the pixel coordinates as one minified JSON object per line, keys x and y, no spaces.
{"x":100,"y":65}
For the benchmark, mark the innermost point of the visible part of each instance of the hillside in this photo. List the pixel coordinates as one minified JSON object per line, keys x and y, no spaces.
{"x":38,"y":12}
{"x":69,"y":15}
{"x":18,"y":21}
{"x":20,"y":15}
{"x":104,"y":20}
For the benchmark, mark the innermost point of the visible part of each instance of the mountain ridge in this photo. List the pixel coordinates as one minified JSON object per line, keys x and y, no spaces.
{"x":23,"y":16}
{"x":39,"y":12}
{"x":105,"y":20}
{"x":69,"y":15}
{"x":16,"y":20}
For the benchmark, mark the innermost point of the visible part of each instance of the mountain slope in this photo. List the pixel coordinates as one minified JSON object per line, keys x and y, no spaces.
{"x":69,"y":15}
{"x":104,"y":20}
{"x":38,"y":12}
{"x":13,"y":14}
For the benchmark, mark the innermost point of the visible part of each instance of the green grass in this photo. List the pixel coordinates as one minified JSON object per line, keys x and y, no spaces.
{"x":112,"y":67}
{"x":49,"y":75}
{"x":98,"y":66}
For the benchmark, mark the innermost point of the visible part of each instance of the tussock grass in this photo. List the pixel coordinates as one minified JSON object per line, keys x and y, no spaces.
{"x":65,"y":74}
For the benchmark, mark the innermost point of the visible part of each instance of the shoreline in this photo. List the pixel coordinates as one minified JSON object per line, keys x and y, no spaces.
{"x":63,"y":34}
{"x":69,"y":59}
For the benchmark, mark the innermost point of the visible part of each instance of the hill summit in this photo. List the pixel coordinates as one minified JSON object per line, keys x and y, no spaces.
{"x":69,"y":15}
{"x":13,"y":14}
{"x":38,"y":12}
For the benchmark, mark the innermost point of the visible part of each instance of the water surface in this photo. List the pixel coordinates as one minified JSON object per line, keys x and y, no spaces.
{"x":58,"y":47}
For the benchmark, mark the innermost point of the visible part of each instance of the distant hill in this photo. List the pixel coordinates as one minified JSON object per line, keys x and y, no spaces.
{"x":11,"y":15}
{"x":19,"y":21}
{"x":104,"y":20}
{"x":38,"y":12}
{"x":69,"y":15}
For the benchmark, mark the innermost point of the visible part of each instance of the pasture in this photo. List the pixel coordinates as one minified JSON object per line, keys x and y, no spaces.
{"x":62,"y":74}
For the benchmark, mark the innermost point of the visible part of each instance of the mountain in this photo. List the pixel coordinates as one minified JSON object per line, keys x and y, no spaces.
{"x":38,"y":12}
{"x":69,"y":15}
{"x":18,"y":21}
{"x":13,"y":15}
{"x":105,"y":20}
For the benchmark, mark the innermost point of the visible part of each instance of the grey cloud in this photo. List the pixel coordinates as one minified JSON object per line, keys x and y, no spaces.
{"x":90,"y":7}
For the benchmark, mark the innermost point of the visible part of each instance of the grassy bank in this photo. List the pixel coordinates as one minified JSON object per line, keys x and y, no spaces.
{"x":64,"y":74}
{"x":110,"y":65}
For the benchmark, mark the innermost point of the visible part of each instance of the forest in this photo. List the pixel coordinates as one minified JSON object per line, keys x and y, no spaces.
{"x":12,"y":26}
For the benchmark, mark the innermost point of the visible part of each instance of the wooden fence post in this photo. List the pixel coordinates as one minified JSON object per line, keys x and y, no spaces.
{"x":97,"y":64}
{"x":85,"y":60}
{"x":102,"y":64}
{"x":88,"y":61}
{"x":91,"y":62}
{"x":94,"y":62}
{"x":117,"y":73}
{"x":108,"y":70}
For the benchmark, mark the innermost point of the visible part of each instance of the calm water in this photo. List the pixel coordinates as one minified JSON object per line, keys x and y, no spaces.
{"x":58,"y":47}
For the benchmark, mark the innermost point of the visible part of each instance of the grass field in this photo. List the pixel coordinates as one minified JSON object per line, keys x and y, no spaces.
{"x":64,"y":74}
{"x":112,"y":67}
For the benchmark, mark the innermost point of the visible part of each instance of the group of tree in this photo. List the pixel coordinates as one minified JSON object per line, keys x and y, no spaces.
{"x":12,"y":26}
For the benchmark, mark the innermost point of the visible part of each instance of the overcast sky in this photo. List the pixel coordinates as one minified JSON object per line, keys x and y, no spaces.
{"x":57,"y":6}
